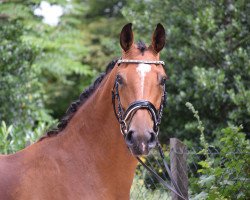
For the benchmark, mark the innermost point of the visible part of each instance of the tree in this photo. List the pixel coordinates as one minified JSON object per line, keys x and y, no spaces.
{"x":39,"y":66}
{"x":21,"y":94}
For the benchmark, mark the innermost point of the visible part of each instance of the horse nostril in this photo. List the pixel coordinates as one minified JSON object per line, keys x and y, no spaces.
{"x":152,"y":140}
{"x":129,"y":138}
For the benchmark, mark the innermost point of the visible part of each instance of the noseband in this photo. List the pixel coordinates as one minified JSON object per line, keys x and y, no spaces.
{"x":123,"y":115}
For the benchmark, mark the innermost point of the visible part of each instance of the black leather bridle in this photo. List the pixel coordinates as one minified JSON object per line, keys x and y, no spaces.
{"x":123,"y":115}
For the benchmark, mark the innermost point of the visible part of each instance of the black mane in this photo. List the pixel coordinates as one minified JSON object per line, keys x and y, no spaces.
{"x":82,"y":99}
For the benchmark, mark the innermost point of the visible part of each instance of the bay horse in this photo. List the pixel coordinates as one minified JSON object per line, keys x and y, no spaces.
{"x":91,"y":155}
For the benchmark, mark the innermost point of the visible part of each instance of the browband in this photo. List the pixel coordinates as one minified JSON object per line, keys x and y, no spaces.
{"x":141,"y":61}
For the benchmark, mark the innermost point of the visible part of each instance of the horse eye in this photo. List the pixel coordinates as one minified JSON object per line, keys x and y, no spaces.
{"x":119,"y":79}
{"x":163,"y":81}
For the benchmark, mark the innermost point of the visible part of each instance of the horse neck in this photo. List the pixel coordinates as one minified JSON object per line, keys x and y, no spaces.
{"x":94,"y":133}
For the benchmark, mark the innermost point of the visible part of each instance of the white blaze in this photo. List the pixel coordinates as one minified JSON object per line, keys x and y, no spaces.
{"x":142,"y":69}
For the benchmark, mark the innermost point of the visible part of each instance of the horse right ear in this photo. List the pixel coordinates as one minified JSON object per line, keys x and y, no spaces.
{"x":126,"y":37}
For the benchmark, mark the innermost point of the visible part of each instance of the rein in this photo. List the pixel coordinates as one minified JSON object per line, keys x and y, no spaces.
{"x":156,"y":115}
{"x":175,"y":189}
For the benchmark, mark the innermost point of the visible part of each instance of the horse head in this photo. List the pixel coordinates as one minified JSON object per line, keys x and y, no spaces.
{"x":139,"y":90}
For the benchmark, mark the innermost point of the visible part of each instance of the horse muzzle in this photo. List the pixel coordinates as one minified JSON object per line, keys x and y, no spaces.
{"x":140,"y":144}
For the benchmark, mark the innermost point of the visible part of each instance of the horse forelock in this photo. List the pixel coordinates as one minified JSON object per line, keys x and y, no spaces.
{"x":74,"y":106}
{"x":141,"y":46}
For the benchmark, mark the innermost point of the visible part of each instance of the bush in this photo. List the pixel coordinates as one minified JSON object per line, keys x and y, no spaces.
{"x":21,"y":94}
{"x":224,"y":174}
{"x":10,"y":142}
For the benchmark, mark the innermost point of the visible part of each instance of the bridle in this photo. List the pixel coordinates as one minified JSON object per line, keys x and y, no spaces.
{"x":156,"y":115}
{"x":123,"y":115}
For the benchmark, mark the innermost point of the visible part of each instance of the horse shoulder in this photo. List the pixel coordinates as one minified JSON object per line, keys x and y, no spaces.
{"x":32,"y":173}
{"x":9,"y":176}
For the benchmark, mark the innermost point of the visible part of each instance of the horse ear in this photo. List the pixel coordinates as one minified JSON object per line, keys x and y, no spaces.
{"x":126,"y":37}
{"x":158,"y":39}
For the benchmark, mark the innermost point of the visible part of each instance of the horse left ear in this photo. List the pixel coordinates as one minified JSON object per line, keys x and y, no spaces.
{"x":158,"y":39}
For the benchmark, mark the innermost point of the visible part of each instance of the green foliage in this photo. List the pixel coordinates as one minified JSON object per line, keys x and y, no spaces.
{"x":61,"y":60}
{"x":11,"y":141}
{"x":109,"y":8}
{"x":103,"y":42}
{"x":39,"y":66}
{"x":201,"y":128}
{"x":140,"y":191}
{"x":224,"y":174}
{"x":21,"y":94}
{"x":103,"y":23}
{"x":5,"y":143}
{"x":61,"y":50}
{"x":208,"y":61}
